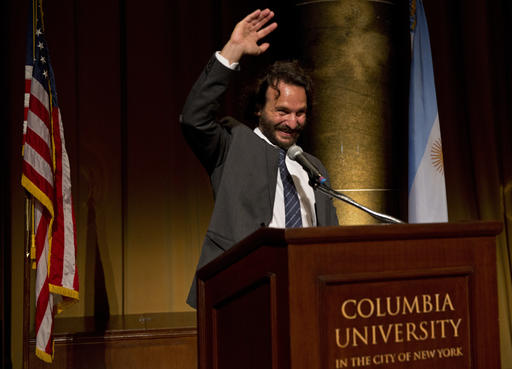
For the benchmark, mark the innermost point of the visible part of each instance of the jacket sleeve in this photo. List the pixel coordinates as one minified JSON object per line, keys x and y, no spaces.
{"x":331,"y":217}
{"x":208,"y":139}
{"x":328,"y":216}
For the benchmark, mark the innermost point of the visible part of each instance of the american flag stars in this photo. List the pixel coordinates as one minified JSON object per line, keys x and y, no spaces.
{"x":42,"y":51}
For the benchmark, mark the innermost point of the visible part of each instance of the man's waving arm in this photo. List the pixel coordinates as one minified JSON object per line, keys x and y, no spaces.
{"x":206,"y":137}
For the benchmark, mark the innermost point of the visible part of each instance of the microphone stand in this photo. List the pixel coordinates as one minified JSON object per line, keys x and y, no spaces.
{"x":330,"y":192}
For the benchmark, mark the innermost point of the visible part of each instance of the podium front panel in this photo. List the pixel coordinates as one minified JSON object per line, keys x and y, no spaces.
{"x":446,"y":289}
{"x":398,"y":319}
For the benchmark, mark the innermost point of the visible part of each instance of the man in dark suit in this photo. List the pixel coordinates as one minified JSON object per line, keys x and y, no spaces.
{"x":255,"y":185}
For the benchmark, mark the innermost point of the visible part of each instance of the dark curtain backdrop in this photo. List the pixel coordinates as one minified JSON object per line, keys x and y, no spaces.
{"x":5,"y":250}
{"x":471,"y":54}
{"x":123,"y":71}
{"x":142,"y":201}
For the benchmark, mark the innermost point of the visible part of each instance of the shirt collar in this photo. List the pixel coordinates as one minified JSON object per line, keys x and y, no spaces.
{"x":257,"y":130}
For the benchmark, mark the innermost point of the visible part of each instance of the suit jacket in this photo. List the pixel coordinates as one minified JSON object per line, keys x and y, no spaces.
{"x":242,"y":168}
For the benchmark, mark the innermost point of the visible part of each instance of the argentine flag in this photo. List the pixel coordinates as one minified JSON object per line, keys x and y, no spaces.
{"x":427,"y":192}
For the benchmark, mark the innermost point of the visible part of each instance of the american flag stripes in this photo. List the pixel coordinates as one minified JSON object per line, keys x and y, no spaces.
{"x":46,"y":177}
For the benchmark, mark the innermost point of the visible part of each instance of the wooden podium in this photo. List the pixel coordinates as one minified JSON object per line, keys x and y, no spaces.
{"x":376,"y":296}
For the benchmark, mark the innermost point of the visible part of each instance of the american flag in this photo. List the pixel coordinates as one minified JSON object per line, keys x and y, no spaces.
{"x":46,"y":177}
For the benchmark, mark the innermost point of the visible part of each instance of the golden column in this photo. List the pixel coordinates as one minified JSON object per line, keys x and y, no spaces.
{"x":358,"y":52}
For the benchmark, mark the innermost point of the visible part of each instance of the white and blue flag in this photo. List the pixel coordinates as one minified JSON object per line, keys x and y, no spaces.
{"x":427,"y":191}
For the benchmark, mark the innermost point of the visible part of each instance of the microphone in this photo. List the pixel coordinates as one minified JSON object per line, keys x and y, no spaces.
{"x":296,"y":153}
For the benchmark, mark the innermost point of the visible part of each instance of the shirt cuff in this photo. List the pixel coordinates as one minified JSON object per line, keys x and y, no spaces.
{"x":225,"y":62}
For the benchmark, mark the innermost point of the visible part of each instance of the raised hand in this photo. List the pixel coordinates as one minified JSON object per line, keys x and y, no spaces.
{"x":246,"y":35}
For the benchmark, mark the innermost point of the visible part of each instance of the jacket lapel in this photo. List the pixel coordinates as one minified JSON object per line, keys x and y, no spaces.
{"x":272,"y":159}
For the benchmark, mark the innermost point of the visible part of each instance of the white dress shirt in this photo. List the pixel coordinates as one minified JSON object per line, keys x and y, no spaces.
{"x":304,"y":190}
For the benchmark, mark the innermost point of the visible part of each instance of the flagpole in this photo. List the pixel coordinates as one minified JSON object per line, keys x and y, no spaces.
{"x":26,"y":284}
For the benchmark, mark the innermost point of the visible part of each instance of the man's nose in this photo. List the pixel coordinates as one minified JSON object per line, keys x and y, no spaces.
{"x":293,"y":121}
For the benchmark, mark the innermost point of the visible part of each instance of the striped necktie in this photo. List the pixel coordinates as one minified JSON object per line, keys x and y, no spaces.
{"x":293,"y":216}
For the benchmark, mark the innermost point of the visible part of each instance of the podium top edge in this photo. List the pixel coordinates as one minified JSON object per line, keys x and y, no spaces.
{"x":278,"y":237}
{"x":394,"y":231}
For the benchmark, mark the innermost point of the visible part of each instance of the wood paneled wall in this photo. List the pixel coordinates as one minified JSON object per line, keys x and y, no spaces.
{"x":137,"y":342}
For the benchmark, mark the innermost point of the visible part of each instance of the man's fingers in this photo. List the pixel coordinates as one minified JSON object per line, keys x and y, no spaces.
{"x":265,"y":31}
{"x":264,"y":17}
{"x":263,"y":47}
{"x":253,"y":16}
{"x":247,"y":33}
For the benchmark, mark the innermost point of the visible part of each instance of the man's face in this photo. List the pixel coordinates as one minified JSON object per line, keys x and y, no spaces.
{"x":283,"y":117}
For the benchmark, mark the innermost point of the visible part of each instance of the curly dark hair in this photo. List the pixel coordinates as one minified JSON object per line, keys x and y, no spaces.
{"x":290,"y":72}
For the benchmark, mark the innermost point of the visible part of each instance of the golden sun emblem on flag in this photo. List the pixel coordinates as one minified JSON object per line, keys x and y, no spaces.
{"x":436,"y":155}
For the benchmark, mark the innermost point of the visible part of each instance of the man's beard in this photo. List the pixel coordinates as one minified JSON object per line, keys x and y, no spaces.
{"x":269,"y":130}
